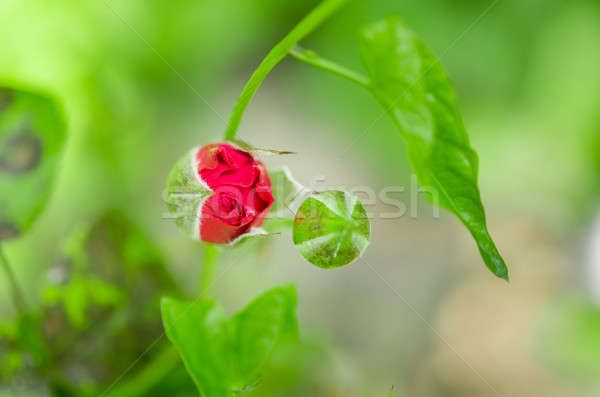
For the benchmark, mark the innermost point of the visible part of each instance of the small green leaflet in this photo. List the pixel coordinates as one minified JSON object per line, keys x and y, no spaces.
{"x":288,"y":194}
{"x":32,"y":136}
{"x":287,"y":191}
{"x":412,"y":86}
{"x":225,"y":357}
{"x":243,"y":145}
{"x":331,"y":229}
{"x":81,"y":293}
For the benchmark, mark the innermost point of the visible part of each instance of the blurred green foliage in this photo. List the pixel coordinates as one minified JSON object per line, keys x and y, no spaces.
{"x":32,"y":135}
{"x":569,"y":341}
{"x":527,"y":83}
{"x":106,"y":283}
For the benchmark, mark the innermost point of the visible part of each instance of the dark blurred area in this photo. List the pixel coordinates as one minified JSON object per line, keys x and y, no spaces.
{"x":144,"y":81}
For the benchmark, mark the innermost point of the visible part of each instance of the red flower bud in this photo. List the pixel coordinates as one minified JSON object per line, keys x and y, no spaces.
{"x":242,"y":193}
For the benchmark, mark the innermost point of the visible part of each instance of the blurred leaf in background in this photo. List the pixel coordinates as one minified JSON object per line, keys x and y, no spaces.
{"x":102,"y":299}
{"x":100,"y":311}
{"x":569,"y":342}
{"x":32,"y":136}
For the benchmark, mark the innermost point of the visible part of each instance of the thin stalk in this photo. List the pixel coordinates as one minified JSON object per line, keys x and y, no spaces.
{"x":316,"y":17}
{"x":311,"y":58}
{"x":207,"y":273}
{"x":17,"y":295}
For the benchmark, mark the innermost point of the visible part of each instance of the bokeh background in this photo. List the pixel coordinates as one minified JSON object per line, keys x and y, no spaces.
{"x":143,"y":81}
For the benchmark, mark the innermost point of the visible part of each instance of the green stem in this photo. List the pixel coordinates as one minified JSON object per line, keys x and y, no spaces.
{"x":17,"y":295}
{"x":323,"y":11}
{"x":207,"y":274}
{"x":311,"y":58}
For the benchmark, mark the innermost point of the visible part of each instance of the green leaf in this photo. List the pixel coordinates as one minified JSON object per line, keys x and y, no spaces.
{"x":199,"y":332}
{"x":225,"y":357}
{"x":409,"y":82}
{"x":32,"y":135}
{"x":331,"y":229}
{"x":265,"y":322}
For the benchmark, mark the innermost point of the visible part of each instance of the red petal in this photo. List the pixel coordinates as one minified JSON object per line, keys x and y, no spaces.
{"x":215,"y":160}
{"x":243,"y":192}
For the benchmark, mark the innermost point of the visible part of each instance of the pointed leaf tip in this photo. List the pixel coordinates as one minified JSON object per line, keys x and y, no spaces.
{"x":413,"y":87}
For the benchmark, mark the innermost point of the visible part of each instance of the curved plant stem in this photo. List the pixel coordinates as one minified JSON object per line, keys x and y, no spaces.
{"x":311,"y":58}
{"x":17,"y":295}
{"x":207,"y":274}
{"x":319,"y":14}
